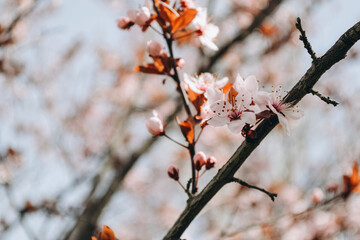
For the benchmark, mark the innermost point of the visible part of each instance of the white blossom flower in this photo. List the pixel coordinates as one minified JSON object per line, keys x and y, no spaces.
{"x":201,"y":83}
{"x":273,"y":102}
{"x":212,"y":95}
{"x":207,"y":31}
{"x":155,"y":124}
{"x":233,"y":110}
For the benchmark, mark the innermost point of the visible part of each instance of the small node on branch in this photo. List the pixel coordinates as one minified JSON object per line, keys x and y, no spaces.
{"x":245,"y":184}
{"x":304,"y":39}
{"x":325,"y":99}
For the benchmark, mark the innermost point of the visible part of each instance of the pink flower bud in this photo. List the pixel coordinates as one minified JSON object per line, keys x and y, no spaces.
{"x":173,"y":173}
{"x":154,"y":48}
{"x":199,"y":160}
{"x":124,"y":23}
{"x":140,"y":17}
{"x":317,"y":195}
{"x":180,"y":62}
{"x":155,"y":124}
{"x":210,"y":162}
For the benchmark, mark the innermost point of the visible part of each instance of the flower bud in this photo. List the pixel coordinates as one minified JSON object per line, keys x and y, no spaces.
{"x":210,"y":162}
{"x":154,"y":48}
{"x":199,"y":160}
{"x":155,"y":124}
{"x":173,"y":173}
{"x":124,"y":23}
{"x":317,"y":195}
{"x":140,"y":17}
{"x":180,"y":63}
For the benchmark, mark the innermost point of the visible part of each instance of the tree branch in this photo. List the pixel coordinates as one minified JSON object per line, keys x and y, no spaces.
{"x":196,"y":204}
{"x":245,"y":184}
{"x":304,"y":39}
{"x":325,"y":99}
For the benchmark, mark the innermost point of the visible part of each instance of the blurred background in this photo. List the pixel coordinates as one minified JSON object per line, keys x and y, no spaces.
{"x":75,"y":153}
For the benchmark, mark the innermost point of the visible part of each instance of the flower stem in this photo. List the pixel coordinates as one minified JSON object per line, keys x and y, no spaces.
{"x":173,"y":140}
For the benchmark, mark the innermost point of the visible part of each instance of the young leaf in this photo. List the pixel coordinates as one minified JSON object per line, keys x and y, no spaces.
{"x":184,"y":20}
{"x":187,"y":130}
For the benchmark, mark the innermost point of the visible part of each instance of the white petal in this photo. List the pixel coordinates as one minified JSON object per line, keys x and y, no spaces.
{"x":248,"y":117}
{"x":221,"y":108}
{"x":294,"y":112}
{"x":213,"y":95}
{"x":211,"y":31}
{"x":222,"y":82}
{"x":218,"y":121}
{"x":284,"y":124}
{"x":262,"y":98}
{"x":192,"y":83}
{"x":236,"y":126}
{"x":208,"y":43}
{"x":273,"y":109}
{"x":251,"y":84}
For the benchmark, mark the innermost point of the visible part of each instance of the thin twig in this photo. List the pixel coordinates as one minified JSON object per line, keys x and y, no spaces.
{"x":173,"y":140}
{"x":325,"y":99}
{"x":245,"y":184}
{"x":304,"y":39}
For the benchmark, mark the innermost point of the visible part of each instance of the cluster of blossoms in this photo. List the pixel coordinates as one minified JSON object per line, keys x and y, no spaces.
{"x":239,"y":105}
{"x":236,"y":104}
{"x":185,"y":21}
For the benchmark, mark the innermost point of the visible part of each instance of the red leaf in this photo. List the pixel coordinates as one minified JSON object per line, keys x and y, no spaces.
{"x":107,"y":234}
{"x":187,"y":130}
{"x":196,"y":99}
{"x":166,"y":14}
{"x":352,"y":183}
{"x":227,"y":87}
{"x":184,"y":20}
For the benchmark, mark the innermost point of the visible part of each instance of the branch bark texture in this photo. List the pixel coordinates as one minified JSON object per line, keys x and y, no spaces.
{"x":336,"y":53}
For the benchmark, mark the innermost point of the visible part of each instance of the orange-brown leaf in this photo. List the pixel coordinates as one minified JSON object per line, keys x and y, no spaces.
{"x":354,"y":179}
{"x":166,"y":14}
{"x":107,"y":234}
{"x":227,"y":87}
{"x":196,"y":99}
{"x":187,"y":130}
{"x":148,"y":68}
{"x":94,"y":238}
{"x":352,"y":183}
{"x":184,"y":20}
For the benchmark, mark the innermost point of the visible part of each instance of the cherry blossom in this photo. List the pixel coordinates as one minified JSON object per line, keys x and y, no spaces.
{"x":124,"y":23}
{"x":202,"y":82}
{"x":155,"y":124}
{"x":210,"y":162}
{"x":275,"y":104}
{"x":155,"y":48}
{"x":173,"y":173}
{"x":140,"y":17}
{"x":232,"y":110}
{"x":207,"y":31}
{"x":212,"y":95}
{"x":199,"y":160}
